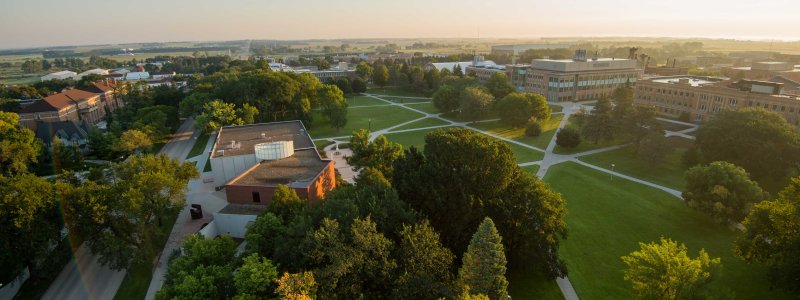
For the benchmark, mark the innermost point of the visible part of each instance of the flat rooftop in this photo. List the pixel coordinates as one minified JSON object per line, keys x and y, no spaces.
{"x":241,"y":140}
{"x":243,"y":209}
{"x":298,"y":170}
{"x":693,"y":81}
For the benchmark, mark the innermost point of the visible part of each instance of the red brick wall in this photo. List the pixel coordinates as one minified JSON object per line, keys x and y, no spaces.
{"x":243,"y":194}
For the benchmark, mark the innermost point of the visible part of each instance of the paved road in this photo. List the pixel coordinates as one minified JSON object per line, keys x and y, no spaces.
{"x":85,"y":278}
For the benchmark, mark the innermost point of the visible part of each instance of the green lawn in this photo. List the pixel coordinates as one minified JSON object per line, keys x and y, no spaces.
{"x":207,"y":167}
{"x":518,"y":134}
{"x":455,"y":117}
{"x":394,"y":91}
{"x":199,"y":146}
{"x":533,"y":169}
{"x":359,"y":118}
{"x":607,"y":219}
{"x":137,"y":280}
{"x":363,"y":101}
{"x":425,"y":106}
{"x":411,"y":138}
{"x":669,"y":174}
{"x":555,"y":108}
{"x":586,"y":146}
{"x":404,"y":100}
{"x":531,"y":285}
{"x":525,"y":154}
{"x":427,"y":122}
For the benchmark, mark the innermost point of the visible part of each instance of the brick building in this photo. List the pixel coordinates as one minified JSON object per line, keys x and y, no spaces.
{"x":579,"y":78}
{"x":253,"y":160}
{"x":698,"y":98}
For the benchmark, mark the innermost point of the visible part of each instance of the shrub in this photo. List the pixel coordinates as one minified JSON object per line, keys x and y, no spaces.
{"x":533,"y":129}
{"x":568,"y":137}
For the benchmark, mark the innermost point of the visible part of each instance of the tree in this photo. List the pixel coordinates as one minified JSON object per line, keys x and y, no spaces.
{"x":499,"y":85}
{"x":358,"y":85}
{"x":653,"y":149}
{"x":722,"y":190}
{"x":533,"y":128}
{"x":217,"y":114}
{"x":363,"y":69}
{"x":380,"y":76}
{"x":665,"y":271}
{"x":475,"y":103}
{"x":65,"y":157}
{"x":193,"y":104}
{"x":433,"y":78}
{"x":770,"y":237}
{"x":32,"y":66}
{"x":323,"y":64}
{"x":457,"y":191}
{"x":568,"y":137}
{"x":759,"y":141}
{"x":446,"y":99}
{"x":18,"y":145}
{"x":297,"y":286}
{"x":255,"y":277}
{"x":203,"y":271}
{"x":133,"y":141}
{"x":484,"y":264}
{"x":29,"y":223}
{"x":344,"y":84}
{"x":457,"y":71}
{"x":425,"y":264}
{"x":333,"y":105}
{"x":599,"y":124}
{"x":378,"y":154}
{"x":416,"y":76}
{"x":516,"y":109}
{"x":144,"y":190}
{"x":285,"y":203}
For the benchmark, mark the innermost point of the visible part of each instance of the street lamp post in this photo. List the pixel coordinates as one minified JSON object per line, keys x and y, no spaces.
{"x":612,"y":171}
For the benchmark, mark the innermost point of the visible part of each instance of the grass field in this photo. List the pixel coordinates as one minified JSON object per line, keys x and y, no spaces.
{"x":531,"y":169}
{"x":427,"y":122}
{"x":411,"y":138}
{"x":394,"y":91}
{"x":607,"y":220}
{"x":524,"y":284}
{"x":199,"y":146}
{"x":425,"y":106}
{"x":359,"y":118}
{"x":518,"y":134}
{"x":405,"y":100}
{"x":587,"y":146}
{"x":524,"y":155}
{"x":669,"y":174}
{"x":363,"y":101}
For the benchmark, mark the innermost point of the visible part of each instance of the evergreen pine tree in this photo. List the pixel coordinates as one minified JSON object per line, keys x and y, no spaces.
{"x":484,"y":264}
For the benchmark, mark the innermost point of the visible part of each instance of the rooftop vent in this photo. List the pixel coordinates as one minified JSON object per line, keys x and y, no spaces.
{"x":263,"y":135}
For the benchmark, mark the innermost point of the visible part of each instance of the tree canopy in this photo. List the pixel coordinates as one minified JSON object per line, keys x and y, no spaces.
{"x":516,"y":109}
{"x":722,"y":190}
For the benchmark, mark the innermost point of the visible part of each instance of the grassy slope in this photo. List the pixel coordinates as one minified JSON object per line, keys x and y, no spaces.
{"x":363,"y":101}
{"x":199,"y":146}
{"x":607,"y":220}
{"x":358,"y":118}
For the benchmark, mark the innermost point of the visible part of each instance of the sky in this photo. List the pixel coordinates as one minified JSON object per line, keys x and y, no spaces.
{"x":34,"y":23}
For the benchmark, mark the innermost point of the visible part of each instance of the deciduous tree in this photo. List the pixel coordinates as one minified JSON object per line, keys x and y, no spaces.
{"x":722,"y":190}
{"x":516,"y":109}
{"x":499,"y":85}
{"x":665,"y":271}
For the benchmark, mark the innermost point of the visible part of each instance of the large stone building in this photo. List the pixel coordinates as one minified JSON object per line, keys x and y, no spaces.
{"x":580,"y":78}
{"x":90,"y":105}
{"x":252,"y":160}
{"x":698,"y":98}
{"x":520,"y":48}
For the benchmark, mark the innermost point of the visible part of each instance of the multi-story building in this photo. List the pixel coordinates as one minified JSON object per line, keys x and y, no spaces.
{"x":698,"y":98}
{"x":516,"y":73}
{"x":69,"y":105}
{"x":484,"y":72}
{"x":252,"y":160}
{"x":580,"y":78}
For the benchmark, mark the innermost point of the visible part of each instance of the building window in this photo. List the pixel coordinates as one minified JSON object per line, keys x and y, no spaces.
{"x":256,"y":197}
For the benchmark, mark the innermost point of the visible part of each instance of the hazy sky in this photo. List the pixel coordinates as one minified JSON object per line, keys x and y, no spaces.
{"x":26,"y":23}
